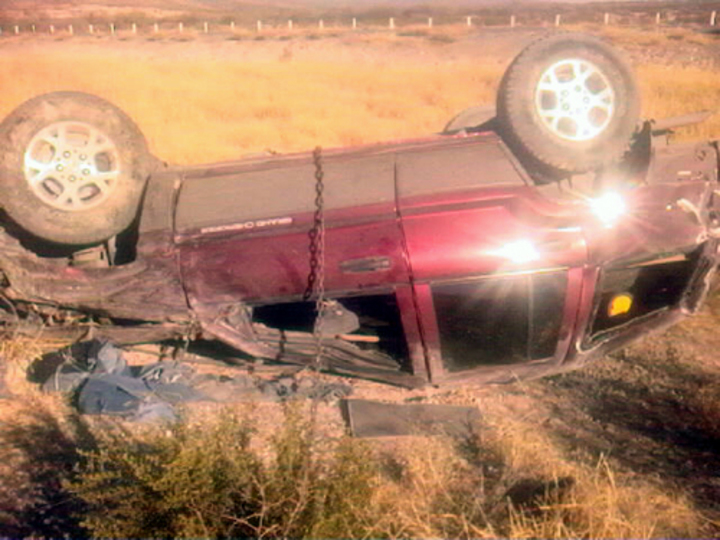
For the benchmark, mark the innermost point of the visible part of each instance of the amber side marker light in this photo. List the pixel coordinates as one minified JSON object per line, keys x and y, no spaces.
{"x":620,"y":304}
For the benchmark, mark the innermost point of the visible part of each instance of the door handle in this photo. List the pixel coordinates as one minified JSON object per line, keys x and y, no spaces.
{"x":365,"y":264}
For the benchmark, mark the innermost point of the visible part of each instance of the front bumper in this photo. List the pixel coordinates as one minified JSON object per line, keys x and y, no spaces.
{"x":664,"y":292}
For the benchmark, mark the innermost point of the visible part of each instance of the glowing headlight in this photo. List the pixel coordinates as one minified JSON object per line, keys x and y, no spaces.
{"x":519,"y":252}
{"x":608,"y":208}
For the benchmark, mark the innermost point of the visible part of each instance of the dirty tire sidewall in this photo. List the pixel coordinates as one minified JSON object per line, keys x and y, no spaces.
{"x":522,"y":127}
{"x":80,"y":227}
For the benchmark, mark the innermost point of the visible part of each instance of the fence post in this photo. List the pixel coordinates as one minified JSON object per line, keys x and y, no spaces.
{"x":512,"y":21}
{"x":713,"y":16}
{"x":557,"y":20}
{"x":430,"y":21}
{"x":259,"y":26}
{"x":156,"y":28}
{"x":71,"y":30}
{"x":468,"y":20}
{"x":232,"y":25}
{"x":321,"y":24}
{"x":290,"y":24}
{"x":134,"y":28}
{"x":607,"y":19}
{"x":391,"y":23}
{"x":205,"y":27}
{"x":354,"y":24}
{"x":90,"y":29}
{"x":657,"y":18}
{"x":52,"y":29}
{"x":33,"y":28}
{"x":181,"y":27}
{"x":112,"y":28}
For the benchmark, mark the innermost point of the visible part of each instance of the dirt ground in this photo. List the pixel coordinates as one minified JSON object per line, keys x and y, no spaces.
{"x":376,"y":46}
{"x":653,"y":409}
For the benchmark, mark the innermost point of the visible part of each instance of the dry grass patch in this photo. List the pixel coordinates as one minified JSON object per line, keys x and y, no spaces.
{"x":202,"y":111}
{"x":653,"y":37}
{"x":194,"y":108}
{"x":197,"y":110}
{"x":674,"y":91}
{"x":551,"y":495}
{"x":102,"y":478}
{"x":16,"y":355}
{"x":41,"y":440}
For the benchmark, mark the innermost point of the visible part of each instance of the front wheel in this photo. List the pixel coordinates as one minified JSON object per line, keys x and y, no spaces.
{"x":568,"y":103}
{"x":72,"y":168}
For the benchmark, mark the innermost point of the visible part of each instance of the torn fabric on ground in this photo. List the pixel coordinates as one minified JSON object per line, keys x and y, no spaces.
{"x":101,"y":382}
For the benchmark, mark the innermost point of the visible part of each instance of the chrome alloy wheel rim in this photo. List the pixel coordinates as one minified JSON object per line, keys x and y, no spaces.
{"x":575,"y":100}
{"x":71,"y":166}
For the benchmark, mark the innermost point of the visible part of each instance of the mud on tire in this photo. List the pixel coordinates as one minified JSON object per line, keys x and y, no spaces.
{"x":568,"y":103}
{"x":72,"y":168}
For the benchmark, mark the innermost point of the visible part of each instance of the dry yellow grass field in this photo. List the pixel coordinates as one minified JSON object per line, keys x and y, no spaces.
{"x":204,"y":109}
{"x":198,"y":103}
{"x":203,"y":102}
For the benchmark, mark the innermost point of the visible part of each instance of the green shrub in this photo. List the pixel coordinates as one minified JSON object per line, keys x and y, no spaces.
{"x":311,"y":495}
{"x":186,"y":482}
{"x":207,"y":482}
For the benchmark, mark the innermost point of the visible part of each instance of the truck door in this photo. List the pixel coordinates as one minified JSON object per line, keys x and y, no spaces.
{"x":491,"y":280}
{"x":243,"y":233}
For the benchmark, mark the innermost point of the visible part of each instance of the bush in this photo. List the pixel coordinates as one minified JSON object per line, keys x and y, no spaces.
{"x":208,"y":482}
{"x":186,"y":482}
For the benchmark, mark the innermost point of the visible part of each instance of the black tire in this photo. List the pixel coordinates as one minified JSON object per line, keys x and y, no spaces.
{"x":568,"y":103}
{"x":73,"y":168}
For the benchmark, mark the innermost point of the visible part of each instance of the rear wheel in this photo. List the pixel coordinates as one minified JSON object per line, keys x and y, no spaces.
{"x":72,"y":168}
{"x":567,"y":104}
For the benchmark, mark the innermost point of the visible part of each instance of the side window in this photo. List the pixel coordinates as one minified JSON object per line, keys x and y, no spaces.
{"x":499,"y":321}
{"x":548,"y":306}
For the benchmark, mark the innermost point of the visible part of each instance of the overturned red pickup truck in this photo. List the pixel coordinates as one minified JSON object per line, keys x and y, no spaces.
{"x":515,"y":244}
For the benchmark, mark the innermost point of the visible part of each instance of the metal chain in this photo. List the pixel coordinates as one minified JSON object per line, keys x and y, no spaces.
{"x":316,"y":277}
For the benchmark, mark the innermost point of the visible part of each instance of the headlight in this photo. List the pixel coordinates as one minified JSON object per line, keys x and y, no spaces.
{"x":608,"y":208}
{"x":518,"y":252}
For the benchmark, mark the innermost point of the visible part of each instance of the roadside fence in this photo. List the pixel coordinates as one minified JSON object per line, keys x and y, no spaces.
{"x":672,"y":18}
